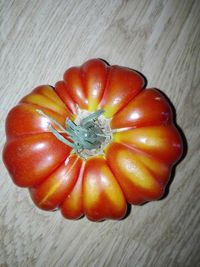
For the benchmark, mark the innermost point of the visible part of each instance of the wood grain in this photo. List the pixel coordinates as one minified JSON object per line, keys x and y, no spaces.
{"x":39,"y":40}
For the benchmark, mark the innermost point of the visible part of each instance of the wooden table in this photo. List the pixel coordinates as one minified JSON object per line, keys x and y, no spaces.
{"x":39,"y":40}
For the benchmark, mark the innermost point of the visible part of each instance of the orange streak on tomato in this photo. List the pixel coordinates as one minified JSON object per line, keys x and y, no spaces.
{"x":102,"y":195}
{"x":137,"y":182}
{"x":122,"y":85}
{"x":75,"y":87}
{"x":94,"y":72}
{"x":52,"y":192}
{"x":149,"y":108}
{"x":162,"y":142}
{"x":72,"y":207}
{"x":30,"y":159}
{"x":44,"y":96}
{"x":62,"y":91}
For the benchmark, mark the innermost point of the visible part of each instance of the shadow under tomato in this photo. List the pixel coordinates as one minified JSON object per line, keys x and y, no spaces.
{"x":129,"y":208}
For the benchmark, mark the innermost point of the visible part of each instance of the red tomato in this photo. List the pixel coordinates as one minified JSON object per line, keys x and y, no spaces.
{"x":92,"y":144}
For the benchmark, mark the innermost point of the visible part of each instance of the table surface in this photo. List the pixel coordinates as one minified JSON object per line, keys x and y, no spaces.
{"x":39,"y":40}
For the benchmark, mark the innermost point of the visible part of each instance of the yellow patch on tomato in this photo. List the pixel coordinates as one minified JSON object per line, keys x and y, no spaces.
{"x":49,"y":92}
{"x":45,"y":102}
{"x":112,"y":188}
{"x":157,"y":167}
{"x":91,"y":191}
{"x":143,"y":138}
{"x":135,"y":171}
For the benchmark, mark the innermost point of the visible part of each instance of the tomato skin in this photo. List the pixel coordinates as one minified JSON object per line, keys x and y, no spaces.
{"x":137,"y":182}
{"x":134,"y":167}
{"x":162,"y":142}
{"x":49,"y":194}
{"x":102,"y":195}
{"x":27,"y":170}
{"x":75,"y":86}
{"x":95,"y":74}
{"x":61,"y":90}
{"x":122,"y":85}
{"x":44,"y":96}
{"x":149,"y":108}
{"x":72,"y":206}
{"x":33,"y":122}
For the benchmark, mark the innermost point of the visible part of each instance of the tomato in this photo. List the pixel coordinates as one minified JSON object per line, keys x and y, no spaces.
{"x":93,"y":143}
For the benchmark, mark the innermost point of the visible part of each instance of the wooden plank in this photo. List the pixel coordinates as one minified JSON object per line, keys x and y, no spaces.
{"x":39,"y":40}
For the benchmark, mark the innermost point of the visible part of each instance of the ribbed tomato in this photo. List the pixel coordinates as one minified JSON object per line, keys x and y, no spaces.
{"x":92,"y":144}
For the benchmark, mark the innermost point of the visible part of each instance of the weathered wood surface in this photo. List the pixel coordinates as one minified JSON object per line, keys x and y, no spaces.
{"x":39,"y":40}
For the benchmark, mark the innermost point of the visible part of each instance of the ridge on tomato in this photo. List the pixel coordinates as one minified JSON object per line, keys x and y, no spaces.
{"x":92,"y":144}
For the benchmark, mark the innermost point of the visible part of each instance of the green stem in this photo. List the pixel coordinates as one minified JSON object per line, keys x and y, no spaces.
{"x":54,"y":131}
{"x":87,"y":135}
{"x":52,"y":120}
{"x":60,"y":137}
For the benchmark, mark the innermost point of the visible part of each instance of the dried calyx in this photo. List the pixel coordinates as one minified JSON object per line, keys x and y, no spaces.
{"x":88,"y":134}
